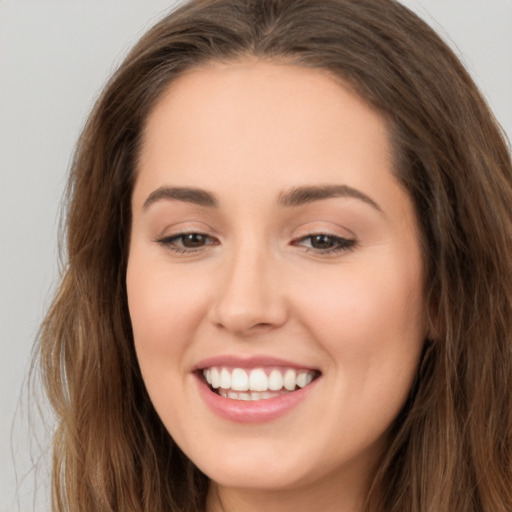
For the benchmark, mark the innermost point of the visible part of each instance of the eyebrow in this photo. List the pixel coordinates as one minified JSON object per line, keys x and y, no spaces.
{"x":295,"y":197}
{"x":186,"y":194}
{"x":304,"y":195}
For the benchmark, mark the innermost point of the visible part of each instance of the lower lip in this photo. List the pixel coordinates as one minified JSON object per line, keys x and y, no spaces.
{"x":253,"y":411}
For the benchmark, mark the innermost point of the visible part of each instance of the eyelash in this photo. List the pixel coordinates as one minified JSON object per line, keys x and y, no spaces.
{"x":340,"y":244}
{"x":170,"y":242}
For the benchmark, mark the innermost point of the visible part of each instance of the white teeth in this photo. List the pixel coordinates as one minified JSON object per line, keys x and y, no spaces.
{"x":290,"y":380}
{"x":275,"y":380}
{"x":225,"y":379}
{"x":215,"y":378}
{"x":258,"y":380}
{"x":265,"y":395}
{"x":239,"y":380}
{"x":253,"y":396}
{"x":255,"y":384}
{"x":303,"y":379}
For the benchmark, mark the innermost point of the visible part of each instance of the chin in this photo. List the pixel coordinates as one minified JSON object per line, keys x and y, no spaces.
{"x":257,"y":468}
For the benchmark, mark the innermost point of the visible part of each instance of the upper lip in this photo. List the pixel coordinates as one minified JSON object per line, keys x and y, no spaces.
{"x":259,"y":361}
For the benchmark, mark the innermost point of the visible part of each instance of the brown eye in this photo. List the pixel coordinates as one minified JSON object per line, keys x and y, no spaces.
{"x":193,"y":240}
{"x":183,"y":243}
{"x":322,"y":242}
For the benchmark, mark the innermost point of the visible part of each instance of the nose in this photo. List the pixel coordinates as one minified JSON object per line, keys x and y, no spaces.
{"x":250,"y":297}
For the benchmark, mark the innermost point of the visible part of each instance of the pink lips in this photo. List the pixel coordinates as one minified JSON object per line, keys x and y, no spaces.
{"x":258,"y":411}
{"x":251,"y":362}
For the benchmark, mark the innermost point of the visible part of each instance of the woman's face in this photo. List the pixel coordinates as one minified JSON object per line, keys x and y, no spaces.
{"x":273,"y":253}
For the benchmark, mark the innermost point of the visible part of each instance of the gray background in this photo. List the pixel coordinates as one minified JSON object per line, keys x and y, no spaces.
{"x":54,"y":57}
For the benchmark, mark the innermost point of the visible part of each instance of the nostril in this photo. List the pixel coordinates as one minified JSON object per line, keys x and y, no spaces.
{"x":248,"y":303}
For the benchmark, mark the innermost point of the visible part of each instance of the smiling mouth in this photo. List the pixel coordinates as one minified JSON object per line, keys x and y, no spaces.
{"x":257,"y":383}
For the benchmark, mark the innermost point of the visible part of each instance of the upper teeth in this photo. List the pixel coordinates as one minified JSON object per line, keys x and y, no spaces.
{"x":239,"y":379}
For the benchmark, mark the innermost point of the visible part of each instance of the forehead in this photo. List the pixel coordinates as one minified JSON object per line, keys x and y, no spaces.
{"x":254,"y":121}
{"x":259,"y":96}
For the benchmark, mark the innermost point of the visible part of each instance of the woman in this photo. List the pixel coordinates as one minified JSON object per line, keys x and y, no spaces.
{"x":289,"y":283}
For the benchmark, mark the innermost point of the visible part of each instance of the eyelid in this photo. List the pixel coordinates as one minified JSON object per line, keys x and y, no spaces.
{"x":169,"y":242}
{"x":341,"y":244}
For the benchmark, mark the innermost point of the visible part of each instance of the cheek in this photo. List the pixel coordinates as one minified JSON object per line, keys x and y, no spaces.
{"x":159,"y":301}
{"x":165,"y":311}
{"x":352,"y":302}
{"x":165,"y":308}
{"x":370,"y":322}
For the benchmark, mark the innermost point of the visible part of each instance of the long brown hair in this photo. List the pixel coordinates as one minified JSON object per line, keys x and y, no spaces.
{"x":451,"y":447}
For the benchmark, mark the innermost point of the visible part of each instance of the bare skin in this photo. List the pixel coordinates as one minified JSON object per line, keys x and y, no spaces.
{"x":268,"y":223}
